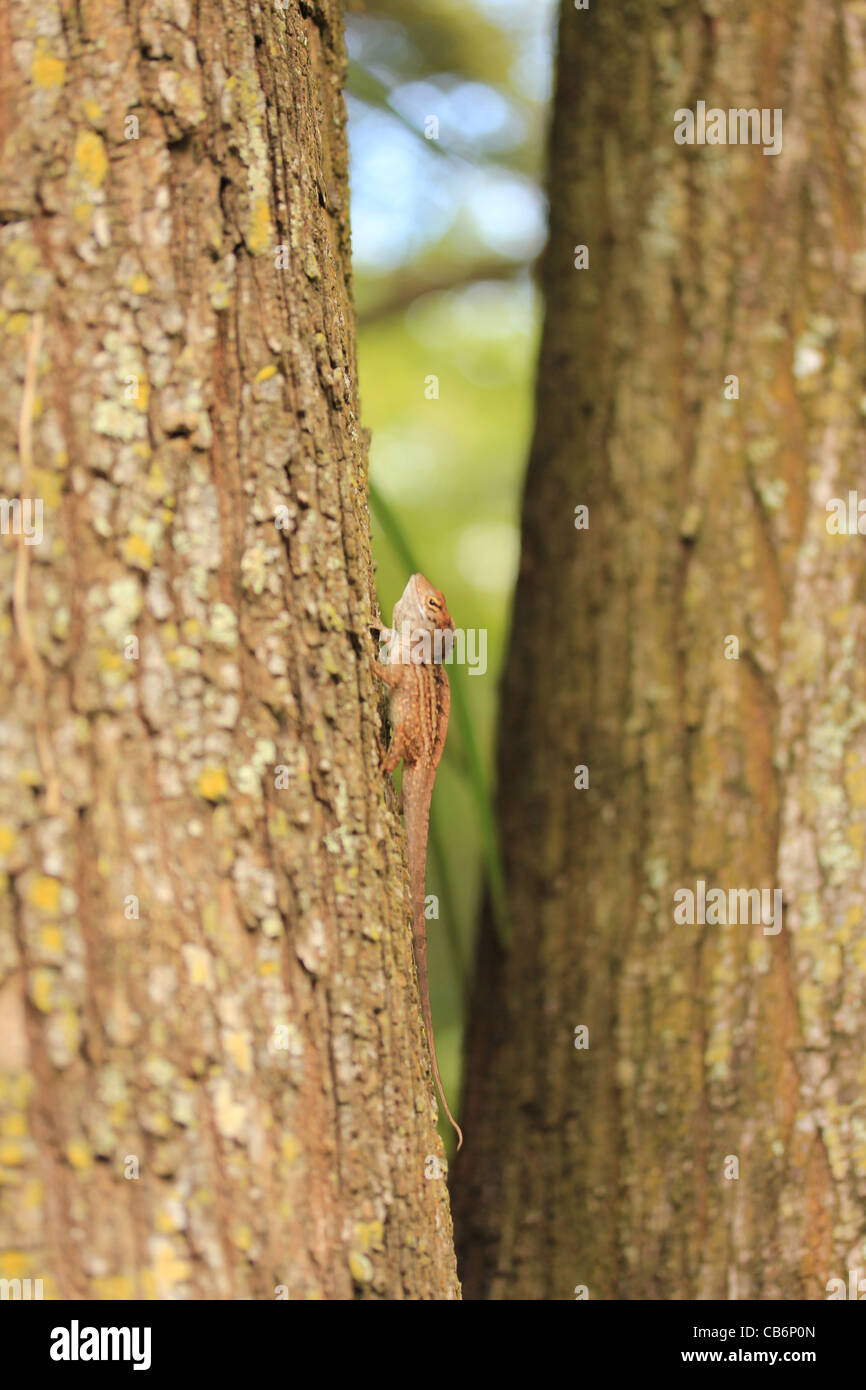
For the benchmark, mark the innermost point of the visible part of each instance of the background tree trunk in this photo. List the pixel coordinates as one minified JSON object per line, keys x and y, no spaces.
{"x":606,"y":1167}
{"x":206,"y":962}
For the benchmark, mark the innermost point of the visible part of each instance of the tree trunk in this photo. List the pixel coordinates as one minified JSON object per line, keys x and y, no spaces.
{"x":611,"y":1167}
{"x":213,"y":1073}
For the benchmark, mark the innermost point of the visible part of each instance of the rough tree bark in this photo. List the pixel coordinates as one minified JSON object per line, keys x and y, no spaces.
{"x":213,"y":1075}
{"x":606,"y":1167}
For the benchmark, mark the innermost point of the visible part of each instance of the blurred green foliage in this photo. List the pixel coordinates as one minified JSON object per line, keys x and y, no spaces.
{"x":445,"y":230}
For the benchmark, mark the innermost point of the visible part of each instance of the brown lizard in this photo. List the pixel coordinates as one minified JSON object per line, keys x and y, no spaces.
{"x":420,"y":700}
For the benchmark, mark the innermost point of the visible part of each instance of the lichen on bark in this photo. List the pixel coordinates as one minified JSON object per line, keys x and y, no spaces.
{"x":213,"y":1080}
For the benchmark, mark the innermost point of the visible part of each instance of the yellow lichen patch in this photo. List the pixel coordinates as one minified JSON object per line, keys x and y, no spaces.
{"x":15,"y":1264}
{"x":138,"y":552}
{"x":189,"y":102}
{"x":268,"y":967}
{"x":361,"y":1268}
{"x":717,"y":1053}
{"x":158,"y":1122}
{"x":156,"y":482}
{"x":242,"y":1237}
{"x":92,"y":109}
{"x":218,"y":292}
{"x":7,"y":840}
{"x":210,"y":916}
{"x":14,"y":1125}
{"x":17,"y":1090}
{"x":48,"y":485}
{"x":109,"y":661}
{"x":213,"y":783}
{"x":855,"y":784}
{"x":259,"y":238}
{"x":11,"y":1153}
{"x":840,"y":617}
{"x":51,"y":938}
{"x":114,"y":1288}
{"x":168,"y":1269}
{"x":199,"y":964}
{"x":32,"y":1195}
{"x":139,"y":284}
{"x":183,"y":1106}
{"x":45,"y":894}
{"x":829,"y":967}
{"x":90,"y":158}
{"x":238,"y":1047}
{"x":17,"y":323}
{"x":230,"y":1114}
{"x":79,"y":1155}
{"x":24,"y":256}
{"x":70,"y":1030}
{"x":266,"y":372}
{"x":47,"y":72}
{"x":289,"y":1148}
{"x":370,"y":1234}
{"x":168,"y":1221}
{"x":118,"y":1114}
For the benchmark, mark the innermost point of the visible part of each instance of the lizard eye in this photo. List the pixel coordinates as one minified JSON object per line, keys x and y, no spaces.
{"x":434,"y":603}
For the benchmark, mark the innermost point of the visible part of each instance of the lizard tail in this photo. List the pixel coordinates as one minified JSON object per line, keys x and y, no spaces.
{"x":417,"y":817}
{"x":428,"y":1024}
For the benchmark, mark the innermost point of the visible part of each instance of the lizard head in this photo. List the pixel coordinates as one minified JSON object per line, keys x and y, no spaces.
{"x":430,"y":603}
{"x":421,"y":608}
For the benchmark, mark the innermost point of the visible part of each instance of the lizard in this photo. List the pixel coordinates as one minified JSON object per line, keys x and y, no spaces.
{"x":420,"y":701}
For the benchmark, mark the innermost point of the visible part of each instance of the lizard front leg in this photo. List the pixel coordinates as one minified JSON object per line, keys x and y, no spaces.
{"x":397,"y":749}
{"x":392,"y":676}
{"x":388,"y":675}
